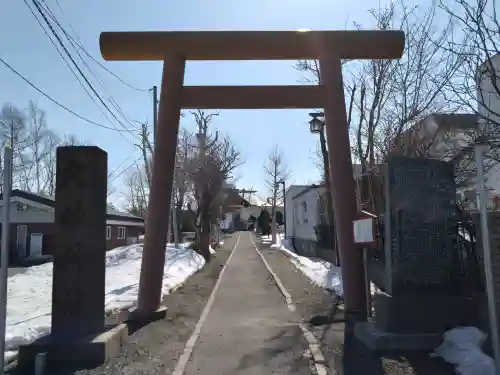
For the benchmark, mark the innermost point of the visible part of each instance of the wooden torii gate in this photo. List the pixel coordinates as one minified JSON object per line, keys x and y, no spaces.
{"x":175,"y":48}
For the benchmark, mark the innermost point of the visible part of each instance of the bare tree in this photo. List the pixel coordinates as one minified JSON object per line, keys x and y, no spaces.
{"x":476,"y":85}
{"x":385,"y":98}
{"x":13,"y":132}
{"x":41,"y":142}
{"x":136,"y":191}
{"x":49,"y":166}
{"x":183,"y":185}
{"x":72,"y":140}
{"x":212,"y":165}
{"x":146,"y":148}
{"x":276,"y":170}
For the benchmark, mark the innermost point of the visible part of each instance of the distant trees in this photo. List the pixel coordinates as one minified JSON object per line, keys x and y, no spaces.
{"x":205,"y":161}
{"x":34,"y":147}
{"x":276,"y":171}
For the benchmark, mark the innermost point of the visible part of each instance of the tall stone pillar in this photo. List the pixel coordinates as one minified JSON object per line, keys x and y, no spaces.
{"x":80,"y":242}
{"x":78,"y":333}
{"x":342,"y":181}
{"x":153,"y":258}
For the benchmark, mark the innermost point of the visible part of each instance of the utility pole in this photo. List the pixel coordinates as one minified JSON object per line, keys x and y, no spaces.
{"x":245,"y":191}
{"x":172,"y":217}
{"x":155,"y":111}
{"x":4,"y":256}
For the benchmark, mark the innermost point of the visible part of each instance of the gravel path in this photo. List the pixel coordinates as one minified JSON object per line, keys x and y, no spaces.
{"x":155,"y":348}
{"x":345,"y":355}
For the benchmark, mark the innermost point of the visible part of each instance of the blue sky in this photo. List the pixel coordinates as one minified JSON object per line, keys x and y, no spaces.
{"x":27,"y":49}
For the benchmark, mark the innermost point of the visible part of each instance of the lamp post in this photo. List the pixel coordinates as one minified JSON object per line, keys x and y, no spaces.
{"x":316,"y":126}
{"x":282,"y":182}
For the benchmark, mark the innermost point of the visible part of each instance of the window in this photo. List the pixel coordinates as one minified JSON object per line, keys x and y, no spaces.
{"x":108,"y":232}
{"x":304,"y":212}
{"x":21,"y":207}
{"x":122,"y":231}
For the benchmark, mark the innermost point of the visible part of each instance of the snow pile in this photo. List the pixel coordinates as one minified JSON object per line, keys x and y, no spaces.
{"x":462,"y":347}
{"x":30,"y":293}
{"x":319,"y":271}
{"x":266,"y":239}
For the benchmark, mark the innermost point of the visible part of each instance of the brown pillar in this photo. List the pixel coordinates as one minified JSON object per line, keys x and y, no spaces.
{"x":153,"y":257}
{"x":342,"y":182}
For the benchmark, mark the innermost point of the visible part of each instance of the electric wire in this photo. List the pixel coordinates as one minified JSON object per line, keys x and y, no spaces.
{"x":77,"y":66}
{"x":5,"y":63}
{"x":80,"y":46}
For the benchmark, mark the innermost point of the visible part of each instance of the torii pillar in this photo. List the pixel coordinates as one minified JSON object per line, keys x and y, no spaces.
{"x":175,"y":48}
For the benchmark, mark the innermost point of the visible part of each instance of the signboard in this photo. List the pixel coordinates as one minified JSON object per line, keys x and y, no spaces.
{"x":364,"y":229}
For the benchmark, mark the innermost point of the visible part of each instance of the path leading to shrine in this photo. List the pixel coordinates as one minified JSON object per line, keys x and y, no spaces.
{"x":248,"y":326}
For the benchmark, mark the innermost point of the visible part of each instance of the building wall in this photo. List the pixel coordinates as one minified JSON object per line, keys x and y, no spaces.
{"x":40,"y":219}
{"x":292,"y":191}
{"x":47,"y":229}
{"x":305,"y":215}
{"x":32,"y":214}
{"x":132,"y":234}
{"x":48,"y":242}
{"x":488,"y":108}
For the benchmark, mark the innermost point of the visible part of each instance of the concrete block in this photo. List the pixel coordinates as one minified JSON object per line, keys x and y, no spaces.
{"x":378,"y":340}
{"x":87,"y":352}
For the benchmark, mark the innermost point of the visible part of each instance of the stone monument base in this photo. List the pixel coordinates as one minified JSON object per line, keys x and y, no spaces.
{"x":423,"y":313}
{"x":90,"y":351}
{"x":135,"y":316}
{"x":376,"y":339}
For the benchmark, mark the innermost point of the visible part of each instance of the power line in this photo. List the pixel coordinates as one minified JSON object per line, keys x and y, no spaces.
{"x":122,"y":163}
{"x":76,"y":65}
{"x":75,"y":44}
{"x":55,"y":101}
{"x":125,"y":169}
{"x":79,"y":44}
{"x":66,"y":62}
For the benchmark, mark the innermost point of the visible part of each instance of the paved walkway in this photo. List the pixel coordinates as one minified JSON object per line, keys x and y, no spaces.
{"x":248,"y":329}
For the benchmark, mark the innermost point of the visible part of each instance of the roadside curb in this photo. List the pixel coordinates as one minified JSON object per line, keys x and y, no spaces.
{"x":313,"y":343}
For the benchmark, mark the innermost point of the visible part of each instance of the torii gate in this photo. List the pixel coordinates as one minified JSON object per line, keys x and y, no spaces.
{"x":174,"y":48}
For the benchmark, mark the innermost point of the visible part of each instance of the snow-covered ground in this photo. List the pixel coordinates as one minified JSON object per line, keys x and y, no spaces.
{"x":461,"y":346}
{"x":30,"y":293}
{"x":319,"y":271}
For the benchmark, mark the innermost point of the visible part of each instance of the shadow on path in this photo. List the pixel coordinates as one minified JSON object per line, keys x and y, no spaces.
{"x":283,"y":350}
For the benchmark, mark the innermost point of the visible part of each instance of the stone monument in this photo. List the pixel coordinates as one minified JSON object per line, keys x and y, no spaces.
{"x":78,"y":333}
{"x":419,"y":266}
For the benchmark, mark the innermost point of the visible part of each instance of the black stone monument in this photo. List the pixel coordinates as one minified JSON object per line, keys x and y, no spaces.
{"x":418,"y":299}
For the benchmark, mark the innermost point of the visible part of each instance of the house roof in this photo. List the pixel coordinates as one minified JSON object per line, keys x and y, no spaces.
{"x":427,"y":128}
{"x":308,"y":188}
{"x":449,"y":121}
{"x":111,"y":213}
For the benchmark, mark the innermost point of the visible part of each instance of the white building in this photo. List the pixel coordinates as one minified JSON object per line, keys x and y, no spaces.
{"x":305,"y":211}
{"x":488,"y":102}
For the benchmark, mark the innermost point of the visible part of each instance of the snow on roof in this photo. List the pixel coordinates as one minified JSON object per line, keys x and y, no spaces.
{"x":255,"y":200}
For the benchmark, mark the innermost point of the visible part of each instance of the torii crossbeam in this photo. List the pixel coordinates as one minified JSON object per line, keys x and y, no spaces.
{"x":175,"y":48}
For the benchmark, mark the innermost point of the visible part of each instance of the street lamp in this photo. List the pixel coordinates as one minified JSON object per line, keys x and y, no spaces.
{"x":282,"y":182}
{"x":316,"y":125}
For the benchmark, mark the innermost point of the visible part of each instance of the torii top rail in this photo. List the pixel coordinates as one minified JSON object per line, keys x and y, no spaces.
{"x":251,"y":45}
